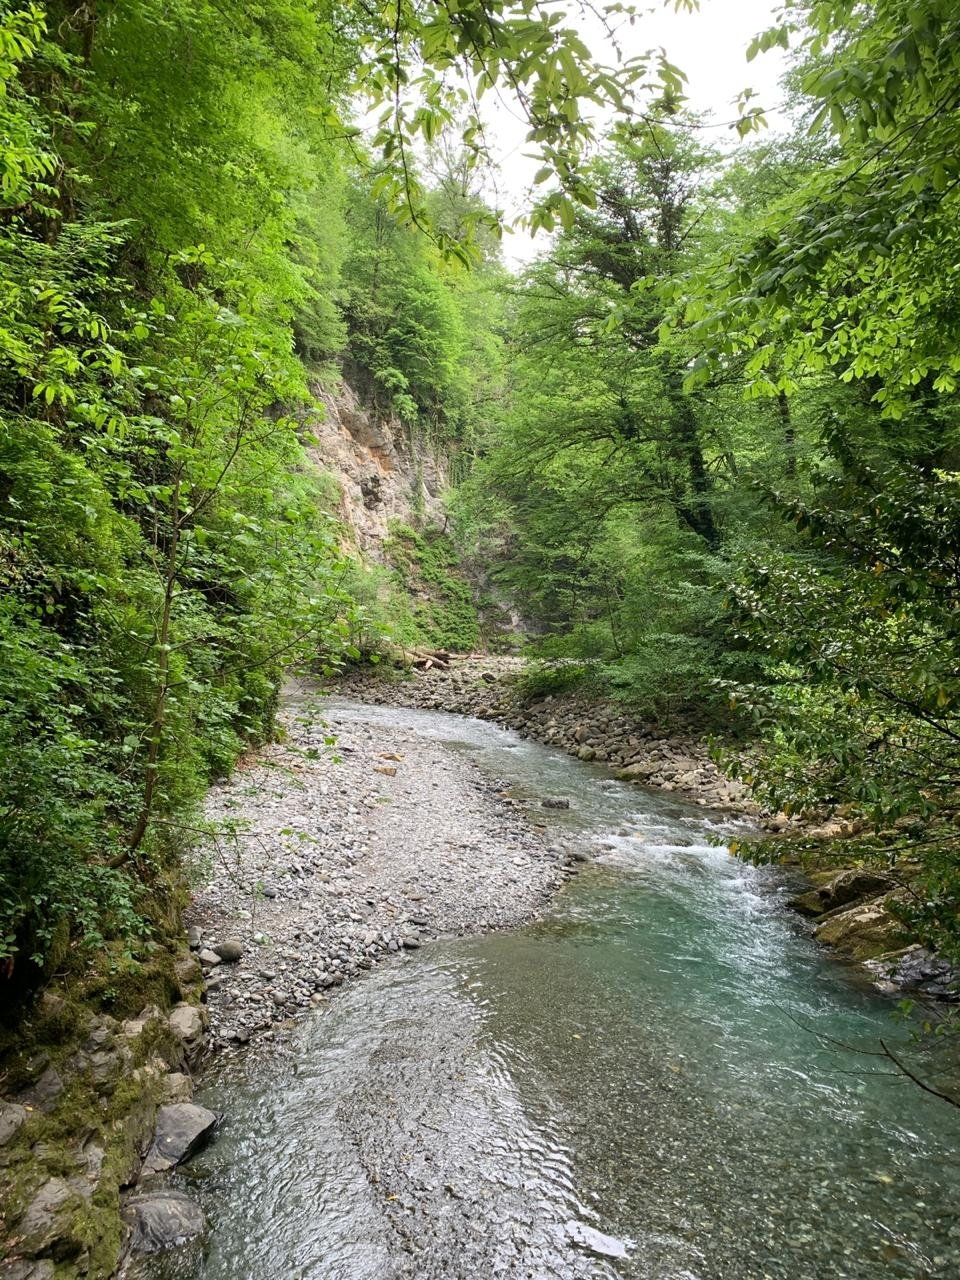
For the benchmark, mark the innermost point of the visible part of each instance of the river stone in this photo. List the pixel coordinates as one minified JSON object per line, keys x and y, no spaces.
{"x":162,"y":1219}
{"x":807,"y":904}
{"x":853,"y":886}
{"x":230,"y":950}
{"x":186,"y":1023}
{"x":194,"y":937}
{"x":922,"y":971}
{"x":182,"y":1128}
{"x":863,"y":931}
{"x":555,"y":802}
{"x":208,"y":958}
{"x":12,"y":1116}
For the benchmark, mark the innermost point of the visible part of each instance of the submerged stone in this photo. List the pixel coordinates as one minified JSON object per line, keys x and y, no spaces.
{"x":595,"y":1241}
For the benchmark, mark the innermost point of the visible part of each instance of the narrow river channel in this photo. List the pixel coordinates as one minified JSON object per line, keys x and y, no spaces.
{"x":651,"y":1082}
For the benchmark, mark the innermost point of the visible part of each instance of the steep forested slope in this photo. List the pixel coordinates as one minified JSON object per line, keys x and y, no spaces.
{"x":188,"y":242}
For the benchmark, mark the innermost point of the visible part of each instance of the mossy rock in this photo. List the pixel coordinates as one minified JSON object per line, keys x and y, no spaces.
{"x":126,"y":986}
{"x":864,"y":931}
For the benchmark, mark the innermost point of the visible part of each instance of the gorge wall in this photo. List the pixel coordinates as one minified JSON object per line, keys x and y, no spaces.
{"x":383,"y":472}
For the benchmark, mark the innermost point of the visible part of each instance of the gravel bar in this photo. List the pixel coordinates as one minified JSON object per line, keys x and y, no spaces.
{"x":333,"y":856}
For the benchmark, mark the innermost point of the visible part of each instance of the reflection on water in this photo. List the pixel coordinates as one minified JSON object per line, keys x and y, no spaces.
{"x":662,"y":1080}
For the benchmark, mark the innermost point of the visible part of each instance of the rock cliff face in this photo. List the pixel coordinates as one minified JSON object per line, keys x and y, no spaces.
{"x":382,"y":477}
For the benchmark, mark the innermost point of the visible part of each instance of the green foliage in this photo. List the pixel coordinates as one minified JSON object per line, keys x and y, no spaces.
{"x":162,"y":554}
{"x":533,"y":51}
{"x":862,"y":709}
{"x":604,"y":500}
{"x":551,"y":679}
{"x":843,"y":272}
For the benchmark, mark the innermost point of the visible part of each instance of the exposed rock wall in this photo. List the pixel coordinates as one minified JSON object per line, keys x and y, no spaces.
{"x":382,"y":476}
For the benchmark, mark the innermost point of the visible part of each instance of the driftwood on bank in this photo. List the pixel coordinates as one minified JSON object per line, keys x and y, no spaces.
{"x":425,"y":659}
{"x":422,"y":659}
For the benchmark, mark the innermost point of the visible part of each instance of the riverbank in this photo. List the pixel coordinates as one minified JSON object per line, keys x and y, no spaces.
{"x":340,"y":845}
{"x":576,"y":1098}
{"x":352,"y":840}
{"x":492,"y":687}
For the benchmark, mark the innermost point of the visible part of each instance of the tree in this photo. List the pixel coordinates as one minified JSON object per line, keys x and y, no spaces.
{"x":845,"y":272}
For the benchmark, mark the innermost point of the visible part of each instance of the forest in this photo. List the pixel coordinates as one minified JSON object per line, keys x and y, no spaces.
{"x":706,"y":443}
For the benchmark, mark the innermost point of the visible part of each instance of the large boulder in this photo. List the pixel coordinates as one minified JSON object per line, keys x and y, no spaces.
{"x":855,"y":885}
{"x":864,"y":931}
{"x":182,"y":1129}
{"x":919,"y":970}
{"x":162,"y":1219}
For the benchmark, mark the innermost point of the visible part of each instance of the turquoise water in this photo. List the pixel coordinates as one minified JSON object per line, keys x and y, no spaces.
{"x":663,"y":1079}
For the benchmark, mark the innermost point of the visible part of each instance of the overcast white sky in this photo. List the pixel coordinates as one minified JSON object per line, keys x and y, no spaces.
{"x":709,"y":46}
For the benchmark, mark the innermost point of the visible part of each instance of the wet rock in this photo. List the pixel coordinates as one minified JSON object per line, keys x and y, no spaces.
{"x":853,"y":886}
{"x":162,"y":1219}
{"x":555,"y":802}
{"x":864,"y":931}
{"x":807,"y":904}
{"x":230,"y":950}
{"x":920,"y":971}
{"x":182,"y":1129}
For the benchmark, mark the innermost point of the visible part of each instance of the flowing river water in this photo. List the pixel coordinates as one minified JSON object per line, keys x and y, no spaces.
{"x":660,"y":1079}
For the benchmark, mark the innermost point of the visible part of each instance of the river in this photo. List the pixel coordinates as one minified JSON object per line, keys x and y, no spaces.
{"x":663,"y":1079}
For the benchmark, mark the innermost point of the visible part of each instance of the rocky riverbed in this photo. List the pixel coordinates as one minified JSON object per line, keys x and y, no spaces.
{"x":349,"y":841}
{"x":331,"y":855}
